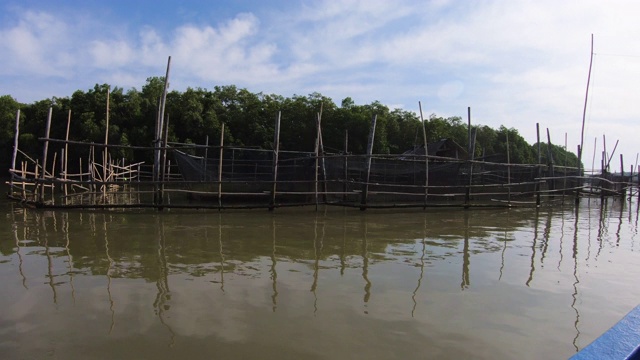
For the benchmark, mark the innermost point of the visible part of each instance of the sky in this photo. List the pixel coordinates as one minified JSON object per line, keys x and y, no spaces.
{"x":513,"y":62}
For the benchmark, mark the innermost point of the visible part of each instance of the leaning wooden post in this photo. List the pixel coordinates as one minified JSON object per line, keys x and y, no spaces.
{"x":66,"y":152}
{"x":539,"y":165}
{"x":623,"y":185}
{"x":164,"y":158}
{"x":44,"y":154}
{"x":426,"y":157}
{"x":322,"y":160}
{"x":15,"y":150}
{"x":508,"y":172}
{"x":365,"y":185}
{"x":220,"y":167}
{"x":579,"y":176}
{"x":345,"y":166}
{"x":276,"y":148}
{"x":106,"y":143}
{"x":551,"y":172}
{"x":206,"y":158}
{"x":317,"y":155}
{"x":470,"y":154}
{"x":158,"y":138}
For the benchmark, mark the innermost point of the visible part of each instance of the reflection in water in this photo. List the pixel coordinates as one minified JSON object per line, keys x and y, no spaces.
{"x":140,"y":252}
{"x":424,"y":248}
{"x":161,"y":305}
{"x":575,"y":275}
{"x":465,"y":254}
{"x":365,"y":264}
{"x":533,"y":247}
{"x":49,"y":260}
{"x":221,"y":252}
{"x":14,"y":228}
{"x":274,"y":274}
{"x":65,"y":230}
{"x":108,"y":272}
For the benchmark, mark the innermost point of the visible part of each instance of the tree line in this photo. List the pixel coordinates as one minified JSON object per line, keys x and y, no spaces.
{"x":249,"y":118}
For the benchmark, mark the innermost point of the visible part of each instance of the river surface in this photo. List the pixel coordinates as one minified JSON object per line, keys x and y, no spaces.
{"x":520,"y":283}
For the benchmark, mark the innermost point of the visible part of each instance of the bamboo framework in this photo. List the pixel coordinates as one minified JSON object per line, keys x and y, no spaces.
{"x":185,"y":176}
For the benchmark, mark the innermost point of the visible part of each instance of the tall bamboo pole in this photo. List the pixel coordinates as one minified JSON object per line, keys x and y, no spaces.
{"x":15,"y":150}
{"x":158,"y":137}
{"x":106,"y":142}
{"x":66,"y":153}
{"x":220,"y":167}
{"x":426,"y":157}
{"x":45,"y":153}
{"x":345,"y":166}
{"x":276,"y":149}
{"x":508,"y":172}
{"x":550,"y":163}
{"x":365,"y":185}
{"x":584,"y":111}
{"x":470,"y":154}
{"x":539,"y":166}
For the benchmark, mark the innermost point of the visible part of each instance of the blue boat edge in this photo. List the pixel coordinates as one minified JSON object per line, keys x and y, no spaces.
{"x":621,"y":342}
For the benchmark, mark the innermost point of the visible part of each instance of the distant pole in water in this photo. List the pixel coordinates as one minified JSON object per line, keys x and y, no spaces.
{"x":426,"y":157}
{"x":158,"y":134}
{"x":44,"y":154}
{"x":365,"y":186}
{"x":220,"y":166}
{"x":276,"y":148}
{"x":539,"y":166}
{"x":470,"y":154}
{"x":15,"y":150}
{"x":584,"y":116}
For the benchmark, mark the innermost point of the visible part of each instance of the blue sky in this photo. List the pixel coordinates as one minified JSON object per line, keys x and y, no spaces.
{"x":513,"y":62}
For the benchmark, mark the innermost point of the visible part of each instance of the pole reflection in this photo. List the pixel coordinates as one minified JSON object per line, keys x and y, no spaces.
{"x":576,"y":279}
{"x":161,"y":304}
{"x":466,"y":258}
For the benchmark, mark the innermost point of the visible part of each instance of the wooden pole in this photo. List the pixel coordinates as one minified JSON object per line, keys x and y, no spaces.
{"x":106,"y":142}
{"x":220,"y":166}
{"x":426,"y":157}
{"x":164,"y":160}
{"x":345,"y":167}
{"x":604,"y":154}
{"x":539,"y":166}
{"x":15,"y":150}
{"x":66,"y":153}
{"x":584,"y":111}
{"x":44,"y":153}
{"x":159,"y":131}
{"x":508,"y":172}
{"x":365,"y":186}
{"x":623,"y":189}
{"x":470,"y":151}
{"x":317,"y":154}
{"x":550,"y":163}
{"x":206,"y":157}
{"x":276,"y":148}
{"x":322,"y":160}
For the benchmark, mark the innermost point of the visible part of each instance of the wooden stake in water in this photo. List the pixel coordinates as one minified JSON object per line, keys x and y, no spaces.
{"x":276,"y":148}
{"x":220,"y":167}
{"x":365,"y":186}
{"x":66,"y":153}
{"x":426,"y":157}
{"x":15,"y":150}
{"x":44,"y":154}
{"x":345,"y":166}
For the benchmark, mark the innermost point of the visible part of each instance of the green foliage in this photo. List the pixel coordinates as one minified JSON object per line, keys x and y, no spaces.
{"x":249,"y":118}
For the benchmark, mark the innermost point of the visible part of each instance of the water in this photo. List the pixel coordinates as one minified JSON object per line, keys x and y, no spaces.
{"x":333,"y":284}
